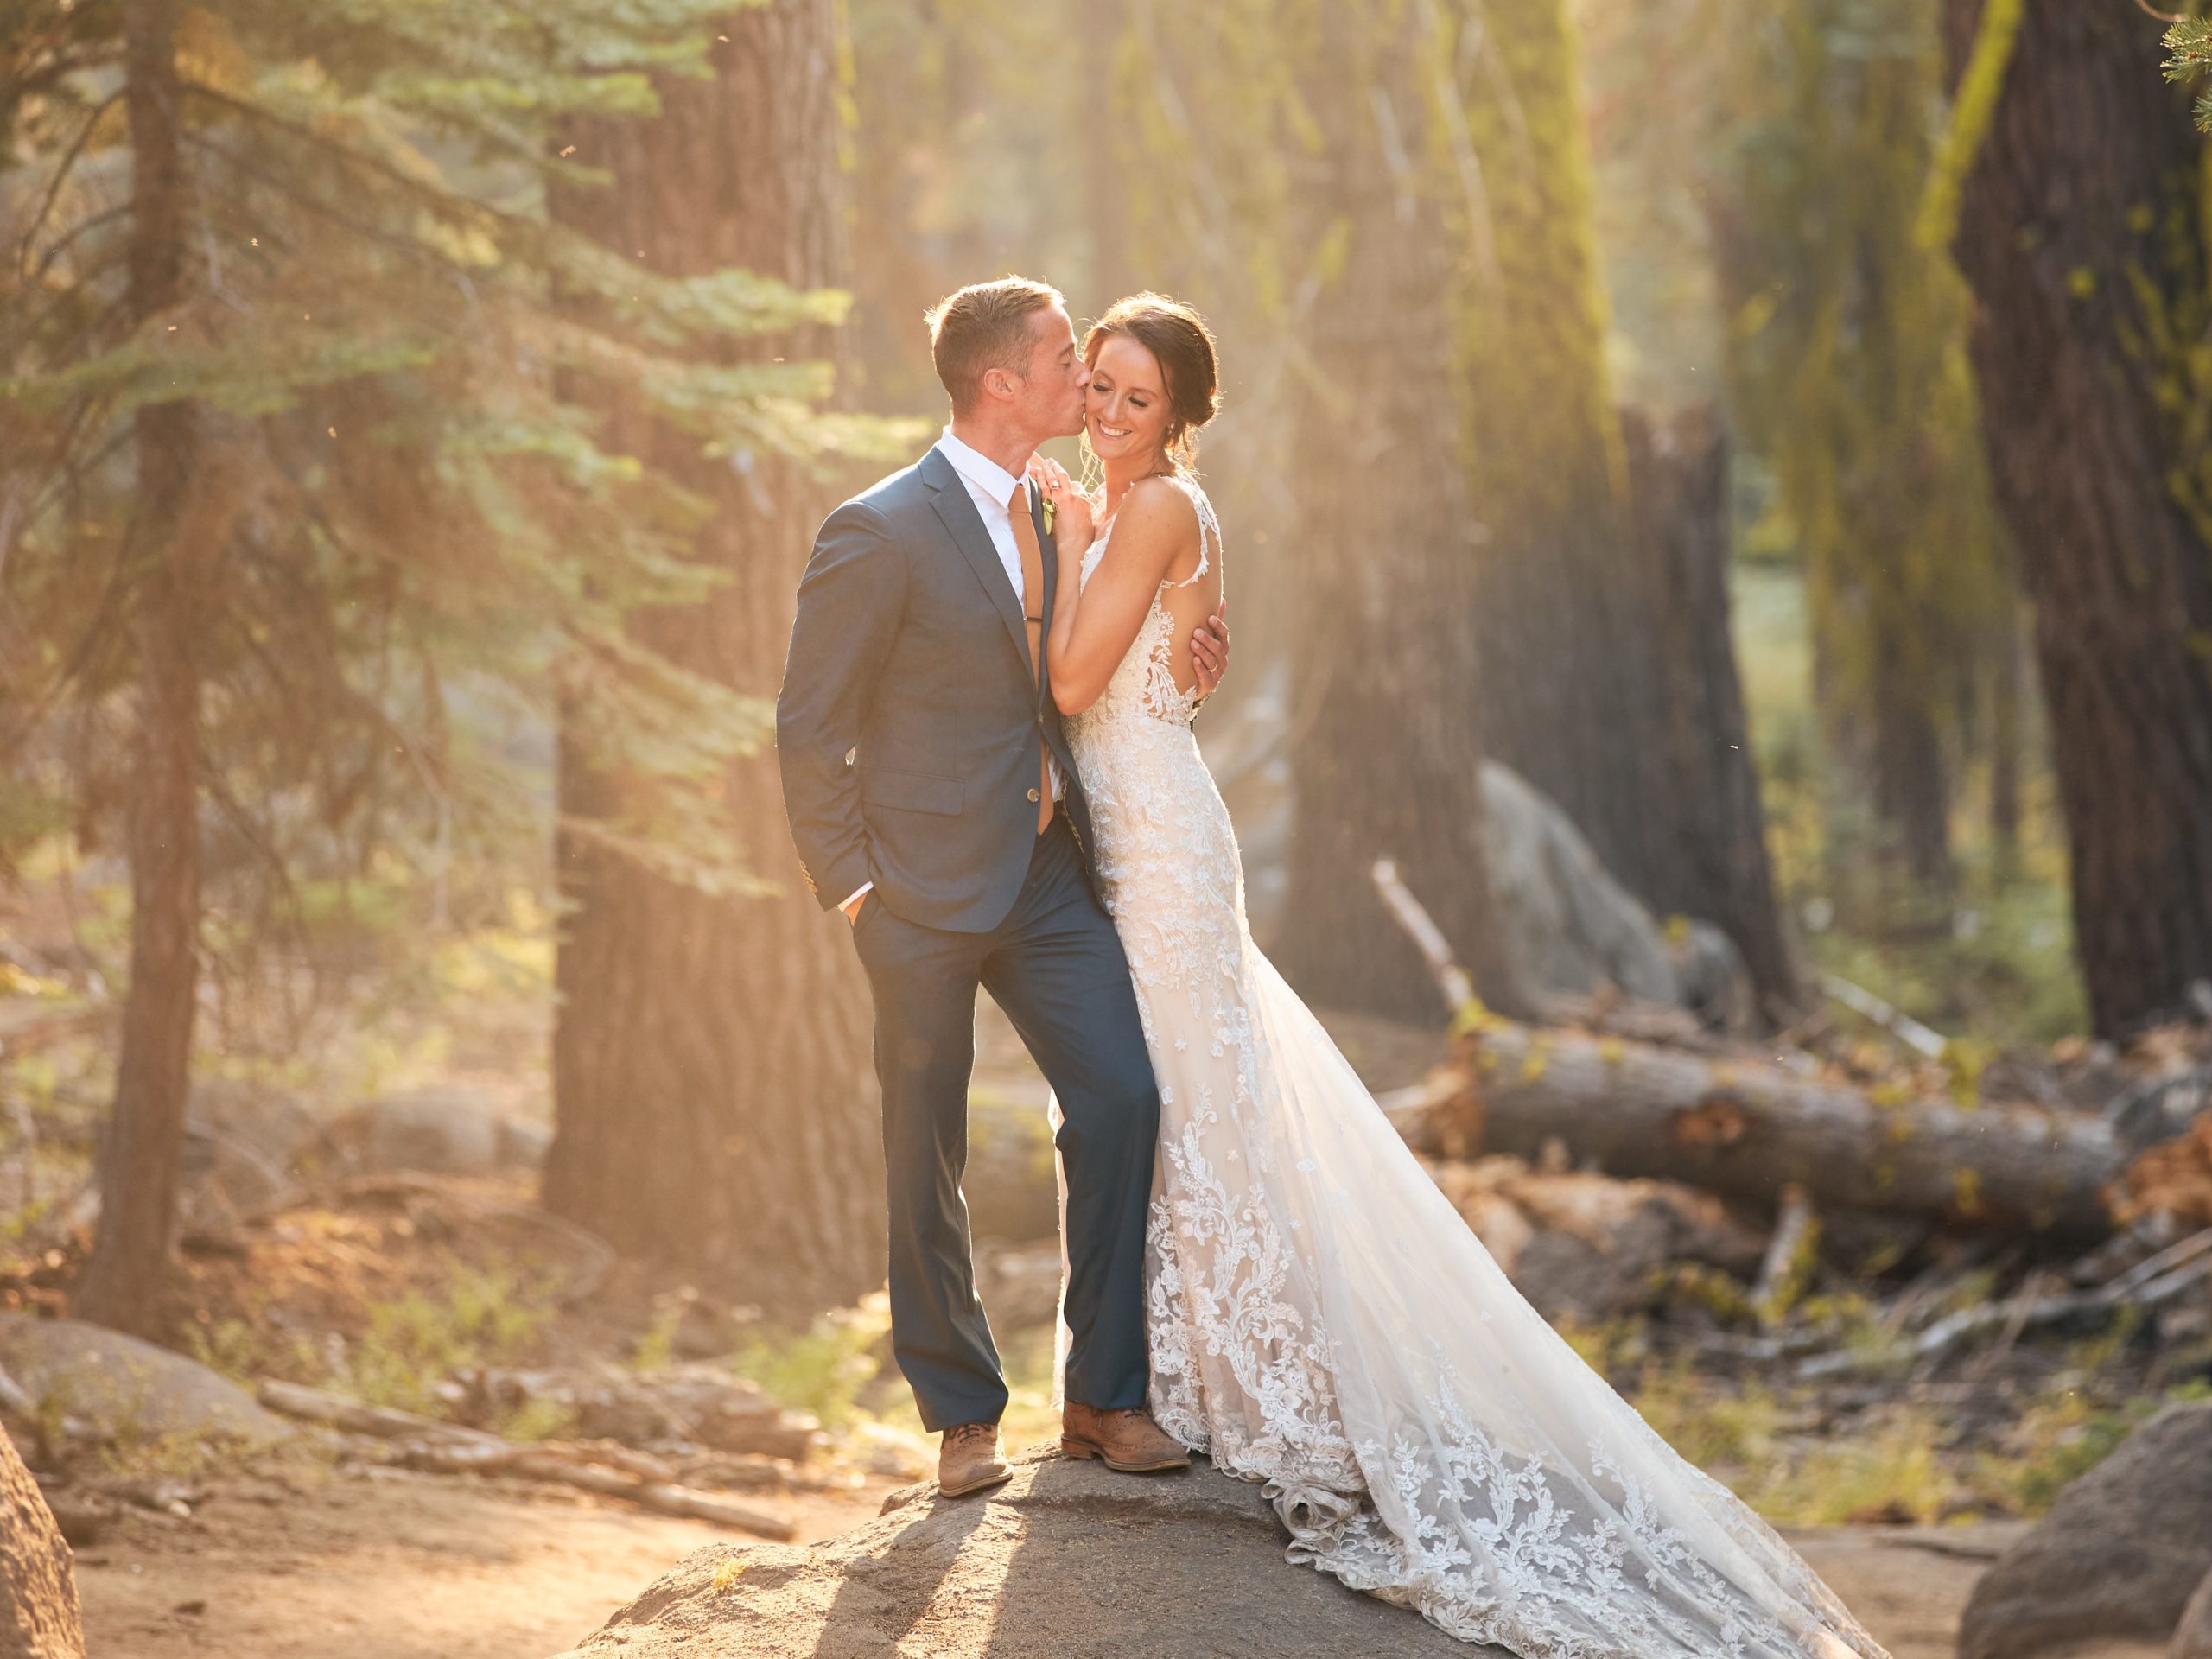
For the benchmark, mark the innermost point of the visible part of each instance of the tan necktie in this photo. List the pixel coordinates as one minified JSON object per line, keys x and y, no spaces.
{"x":1032,"y":606}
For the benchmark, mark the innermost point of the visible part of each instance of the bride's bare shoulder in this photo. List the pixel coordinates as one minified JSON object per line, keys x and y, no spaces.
{"x":1161,"y":492}
{"x":1156,"y":521}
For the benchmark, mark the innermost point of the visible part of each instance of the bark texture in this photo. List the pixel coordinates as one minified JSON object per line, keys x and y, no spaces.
{"x":1744,"y":1130}
{"x":1566,"y":676}
{"x":1385,"y":745}
{"x":715,"y":1104}
{"x":1708,"y":856}
{"x":2083,"y":233}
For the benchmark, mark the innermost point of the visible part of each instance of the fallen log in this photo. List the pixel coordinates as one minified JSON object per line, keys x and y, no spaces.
{"x":1786,"y":1267}
{"x":610,"y":1469}
{"x":553,"y":1465}
{"x":1745,"y":1128}
{"x":1900,"y":1025}
{"x":384,"y":1422}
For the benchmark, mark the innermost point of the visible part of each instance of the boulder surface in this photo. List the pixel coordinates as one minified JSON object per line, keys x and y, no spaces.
{"x":38,"y":1590}
{"x":2119,"y":1554}
{"x":128,"y":1388}
{"x":1067,"y":1559}
{"x":2193,"y":1636}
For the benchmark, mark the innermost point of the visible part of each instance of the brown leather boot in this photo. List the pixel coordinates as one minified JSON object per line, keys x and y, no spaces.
{"x":1124,"y":1439}
{"x":969,"y":1459}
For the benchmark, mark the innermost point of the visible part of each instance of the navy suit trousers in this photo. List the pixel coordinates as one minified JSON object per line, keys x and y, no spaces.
{"x":1056,"y":967}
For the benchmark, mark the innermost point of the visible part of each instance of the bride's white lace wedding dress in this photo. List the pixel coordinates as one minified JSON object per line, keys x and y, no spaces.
{"x":1322,"y":1320}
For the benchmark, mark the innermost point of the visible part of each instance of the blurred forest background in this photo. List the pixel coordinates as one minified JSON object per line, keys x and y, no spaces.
{"x":1718,"y":494}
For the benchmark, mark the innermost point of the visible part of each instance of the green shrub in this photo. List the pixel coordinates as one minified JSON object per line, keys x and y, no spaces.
{"x":823,"y":1368}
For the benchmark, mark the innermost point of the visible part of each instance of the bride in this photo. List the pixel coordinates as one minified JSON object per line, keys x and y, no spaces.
{"x":1319,"y":1318}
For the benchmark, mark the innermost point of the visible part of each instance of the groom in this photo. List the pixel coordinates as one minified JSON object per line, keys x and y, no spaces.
{"x":934,"y":802}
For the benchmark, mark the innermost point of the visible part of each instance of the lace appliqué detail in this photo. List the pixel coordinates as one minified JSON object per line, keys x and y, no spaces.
{"x":1149,"y":667}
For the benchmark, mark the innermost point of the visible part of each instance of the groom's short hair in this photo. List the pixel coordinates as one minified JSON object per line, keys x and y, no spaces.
{"x":983,"y":325}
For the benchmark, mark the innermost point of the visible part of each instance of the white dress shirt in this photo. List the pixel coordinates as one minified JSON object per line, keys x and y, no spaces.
{"x":990,"y":486}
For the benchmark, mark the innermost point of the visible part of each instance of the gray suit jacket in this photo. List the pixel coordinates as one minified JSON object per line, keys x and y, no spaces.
{"x":908,"y":725}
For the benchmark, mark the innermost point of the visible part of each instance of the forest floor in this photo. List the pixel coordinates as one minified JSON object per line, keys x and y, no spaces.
{"x":296,"y":1562}
{"x":389,"y":1286}
{"x":306,"y":1552}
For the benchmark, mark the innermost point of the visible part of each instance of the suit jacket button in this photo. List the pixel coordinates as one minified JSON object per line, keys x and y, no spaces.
{"x":1034,"y":795}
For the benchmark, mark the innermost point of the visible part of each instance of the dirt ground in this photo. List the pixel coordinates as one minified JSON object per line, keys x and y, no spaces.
{"x":384,"y":1564}
{"x":307,"y":1563}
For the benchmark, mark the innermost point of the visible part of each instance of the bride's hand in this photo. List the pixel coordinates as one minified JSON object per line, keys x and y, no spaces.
{"x":1073,"y":513}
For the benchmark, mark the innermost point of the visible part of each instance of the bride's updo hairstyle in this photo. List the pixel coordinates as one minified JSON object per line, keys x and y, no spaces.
{"x":1180,"y":342}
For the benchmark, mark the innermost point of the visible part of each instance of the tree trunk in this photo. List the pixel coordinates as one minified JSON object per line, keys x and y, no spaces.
{"x":1745,"y":1129}
{"x":1709,"y":857}
{"x":1912,"y":795}
{"x":38,"y":1588}
{"x":2081,"y":232}
{"x":2007,"y":692}
{"x":144,"y":1140}
{"x":714,"y":1103}
{"x":1385,"y":751}
{"x":1846,"y":370}
{"x":1566,"y":672}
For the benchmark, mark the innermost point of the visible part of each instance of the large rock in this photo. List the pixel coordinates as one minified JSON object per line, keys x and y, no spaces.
{"x":245,"y":1153}
{"x":127,"y":1389}
{"x":446,"y":1129}
{"x":276,"y":1128}
{"x":1568,"y":925}
{"x":246,"y":1149}
{"x":1066,"y":1560}
{"x":38,"y":1590}
{"x":694,"y":1401}
{"x":1018,"y":1284}
{"x":2193,"y":1636}
{"x":2119,"y":1555}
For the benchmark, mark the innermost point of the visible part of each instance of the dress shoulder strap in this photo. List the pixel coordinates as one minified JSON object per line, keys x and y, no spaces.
{"x":1209,"y":530}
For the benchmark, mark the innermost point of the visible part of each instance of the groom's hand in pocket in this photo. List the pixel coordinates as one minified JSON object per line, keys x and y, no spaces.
{"x":1210,"y":649}
{"x":852,"y":907}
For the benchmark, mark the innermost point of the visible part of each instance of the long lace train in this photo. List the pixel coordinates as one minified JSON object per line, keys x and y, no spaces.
{"x":1323,"y":1322}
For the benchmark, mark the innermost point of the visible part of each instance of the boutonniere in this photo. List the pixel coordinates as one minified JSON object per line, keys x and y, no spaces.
{"x":1052,"y":511}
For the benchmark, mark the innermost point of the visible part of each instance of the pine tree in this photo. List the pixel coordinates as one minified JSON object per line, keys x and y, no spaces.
{"x":1384,"y":695}
{"x":714,"y":1103}
{"x":1567,"y":670}
{"x":301,"y":426}
{"x":1705,"y":844}
{"x":2188,"y":54}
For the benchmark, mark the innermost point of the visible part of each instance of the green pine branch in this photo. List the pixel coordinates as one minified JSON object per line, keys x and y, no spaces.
{"x":2188,"y":54}
{"x":409,"y":362}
